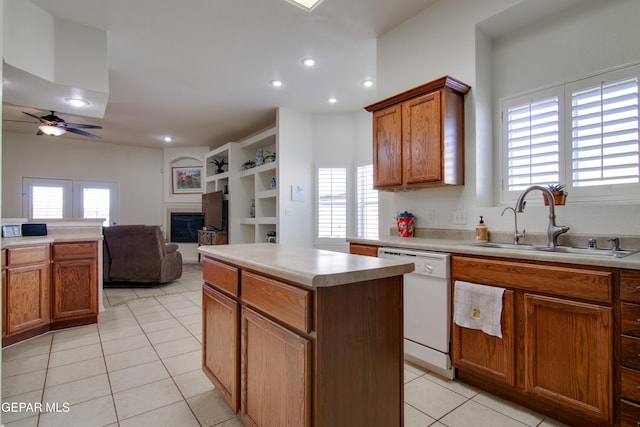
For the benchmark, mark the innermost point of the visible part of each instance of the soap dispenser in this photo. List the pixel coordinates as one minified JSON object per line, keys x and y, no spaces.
{"x":482,"y":232}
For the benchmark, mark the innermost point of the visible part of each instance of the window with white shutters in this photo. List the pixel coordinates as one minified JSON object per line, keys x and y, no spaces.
{"x":332,"y":202}
{"x":46,"y":198}
{"x":583,"y":134}
{"x":47,"y":202}
{"x":604,"y":132}
{"x":533,"y":143}
{"x":366,"y":202}
{"x":96,"y":203}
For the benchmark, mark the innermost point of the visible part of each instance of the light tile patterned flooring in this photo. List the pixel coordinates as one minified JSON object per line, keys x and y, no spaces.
{"x":140,"y":366}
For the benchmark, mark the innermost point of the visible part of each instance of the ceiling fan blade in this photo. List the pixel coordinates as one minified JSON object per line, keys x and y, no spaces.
{"x":19,"y":121}
{"x":83,"y":133}
{"x":82,"y":126}
{"x":35,"y":117}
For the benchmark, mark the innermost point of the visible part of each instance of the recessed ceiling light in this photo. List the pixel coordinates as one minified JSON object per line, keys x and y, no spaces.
{"x":276,"y":83}
{"x":307,"y":5}
{"x":167,"y":139}
{"x":308,"y":62}
{"x":77,"y":102}
{"x":332,"y":100}
{"x":367,"y":83}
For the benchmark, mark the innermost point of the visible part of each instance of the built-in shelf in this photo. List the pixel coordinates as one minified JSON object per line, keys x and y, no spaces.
{"x":247,"y":186}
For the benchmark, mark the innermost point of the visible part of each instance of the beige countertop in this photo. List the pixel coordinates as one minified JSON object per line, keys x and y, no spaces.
{"x":307,"y":266}
{"x":463,"y":247}
{"x":9,"y":242}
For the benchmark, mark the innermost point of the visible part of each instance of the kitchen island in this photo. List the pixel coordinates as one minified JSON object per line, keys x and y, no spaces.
{"x":304,"y":337}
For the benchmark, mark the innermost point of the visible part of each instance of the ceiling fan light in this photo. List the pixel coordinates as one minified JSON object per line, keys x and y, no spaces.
{"x":52,"y":130}
{"x":307,"y":5}
{"x":77,"y":102}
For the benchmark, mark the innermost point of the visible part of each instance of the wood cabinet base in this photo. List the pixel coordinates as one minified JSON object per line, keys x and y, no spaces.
{"x":513,"y":394}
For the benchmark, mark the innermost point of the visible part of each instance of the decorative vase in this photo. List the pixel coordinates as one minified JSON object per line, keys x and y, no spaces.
{"x":559,"y":198}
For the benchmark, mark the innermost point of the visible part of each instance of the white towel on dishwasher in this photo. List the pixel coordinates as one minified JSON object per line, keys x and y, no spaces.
{"x":478,"y":307}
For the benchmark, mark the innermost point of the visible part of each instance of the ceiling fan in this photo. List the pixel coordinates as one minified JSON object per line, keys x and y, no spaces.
{"x":56,"y":126}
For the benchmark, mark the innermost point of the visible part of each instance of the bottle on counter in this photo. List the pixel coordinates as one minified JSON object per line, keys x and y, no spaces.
{"x":482,"y":232}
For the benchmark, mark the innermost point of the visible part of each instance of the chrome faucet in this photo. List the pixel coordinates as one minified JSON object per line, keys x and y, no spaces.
{"x":516,"y":234}
{"x":553,"y":230}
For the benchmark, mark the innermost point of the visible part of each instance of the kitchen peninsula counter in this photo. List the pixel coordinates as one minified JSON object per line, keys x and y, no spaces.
{"x":320,"y":330}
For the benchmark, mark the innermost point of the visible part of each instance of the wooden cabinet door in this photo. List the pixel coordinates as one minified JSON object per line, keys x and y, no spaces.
{"x":422,"y":142}
{"x":75,"y":289}
{"x":569,"y":354}
{"x":220,"y":354}
{"x":276,"y":374}
{"x":485,"y":354}
{"x":387,"y":147}
{"x":25,"y":298}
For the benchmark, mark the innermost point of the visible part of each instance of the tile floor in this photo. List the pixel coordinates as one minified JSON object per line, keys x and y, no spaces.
{"x":140,"y":366}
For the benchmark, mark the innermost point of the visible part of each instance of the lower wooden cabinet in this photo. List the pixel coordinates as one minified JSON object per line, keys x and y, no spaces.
{"x":569,"y":354}
{"x":74,"y":279}
{"x":25,"y":293}
{"x":630,"y":348}
{"x":488,"y":355}
{"x":556,"y":354}
{"x":276,"y":374}
{"x":48,"y":287}
{"x":220,"y":359}
{"x":26,"y":298}
{"x":284,"y":354}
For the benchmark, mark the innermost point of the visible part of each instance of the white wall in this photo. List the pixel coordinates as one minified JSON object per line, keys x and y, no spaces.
{"x":453,"y":38}
{"x":138,"y":171}
{"x":342,"y":140}
{"x":294,"y":159}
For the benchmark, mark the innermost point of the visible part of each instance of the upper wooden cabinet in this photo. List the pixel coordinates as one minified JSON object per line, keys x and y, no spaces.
{"x":418,"y":136}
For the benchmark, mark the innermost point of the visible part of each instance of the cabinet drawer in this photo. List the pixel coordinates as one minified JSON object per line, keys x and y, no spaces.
{"x":630,"y":352}
{"x":221,"y":276}
{"x":368,"y":250}
{"x":630,"y":319}
{"x":630,"y":286}
{"x":557,"y":280}
{"x":630,"y":384}
{"x":27,"y":255}
{"x":284,"y":302}
{"x":629,"y":414}
{"x":75,"y":250}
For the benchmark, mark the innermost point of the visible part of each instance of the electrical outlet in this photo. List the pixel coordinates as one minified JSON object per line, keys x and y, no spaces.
{"x":460,"y":218}
{"x":430,"y":216}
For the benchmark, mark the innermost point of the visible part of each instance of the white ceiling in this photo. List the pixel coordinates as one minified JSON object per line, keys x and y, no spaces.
{"x":199,"y":70}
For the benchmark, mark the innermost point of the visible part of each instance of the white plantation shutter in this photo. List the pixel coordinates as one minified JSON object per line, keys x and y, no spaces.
{"x":332,"y":202}
{"x":47,"y":202}
{"x":96,"y":203}
{"x":64,"y":198}
{"x":533,"y":143}
{"x":366,"y":202}
{"x":605,"y":134}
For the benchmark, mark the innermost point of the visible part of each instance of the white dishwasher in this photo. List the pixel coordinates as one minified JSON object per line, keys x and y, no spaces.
{"x":427,"y":309}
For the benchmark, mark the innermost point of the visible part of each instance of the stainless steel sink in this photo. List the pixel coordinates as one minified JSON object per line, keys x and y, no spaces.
{"x":620,"y":253}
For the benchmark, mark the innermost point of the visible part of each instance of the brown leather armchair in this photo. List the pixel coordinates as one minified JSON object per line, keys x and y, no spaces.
{"x":138,"y":253}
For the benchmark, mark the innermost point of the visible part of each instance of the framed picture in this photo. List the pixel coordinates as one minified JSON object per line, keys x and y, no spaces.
{"x":187,"y":180}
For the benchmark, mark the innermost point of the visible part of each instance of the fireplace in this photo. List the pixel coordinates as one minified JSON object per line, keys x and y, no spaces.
{"x":185,"y":226}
